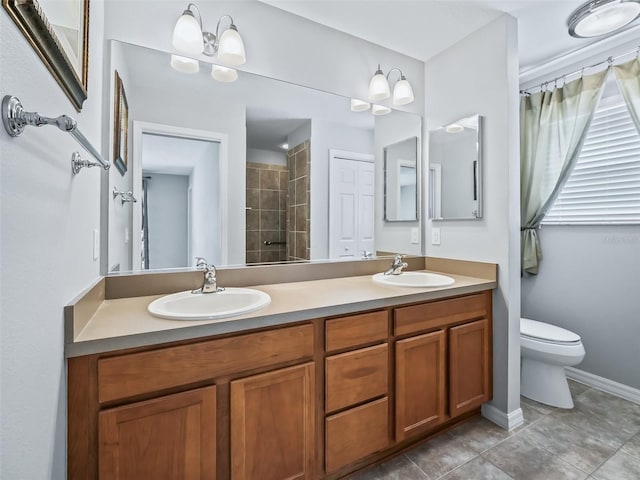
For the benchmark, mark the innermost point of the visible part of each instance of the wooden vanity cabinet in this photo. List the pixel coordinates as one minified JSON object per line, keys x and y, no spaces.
{"x":314,"y":400}
{"x":273,"y":425}
{"x":169,"y":437}
{"x":420,"y":383}
{"x":469,"y":366}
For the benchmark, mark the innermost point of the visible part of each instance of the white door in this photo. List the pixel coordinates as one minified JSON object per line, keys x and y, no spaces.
{"x":351,"y":205}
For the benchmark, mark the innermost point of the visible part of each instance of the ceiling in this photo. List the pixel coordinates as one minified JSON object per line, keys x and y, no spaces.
{"x":422,"y":29}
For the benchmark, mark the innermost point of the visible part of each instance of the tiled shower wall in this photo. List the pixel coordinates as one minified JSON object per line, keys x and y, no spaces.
{"x":298,"y":211}
{"x":266,"y":212}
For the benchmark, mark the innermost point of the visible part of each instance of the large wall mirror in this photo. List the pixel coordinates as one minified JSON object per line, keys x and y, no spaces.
{"x":247,"y":171}
{"x":455,"y":168}
{"x":401,"y":181}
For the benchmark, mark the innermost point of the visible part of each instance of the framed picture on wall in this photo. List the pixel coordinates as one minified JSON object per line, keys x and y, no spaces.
{"x":120,"y":126}
{"x":59,"y":34}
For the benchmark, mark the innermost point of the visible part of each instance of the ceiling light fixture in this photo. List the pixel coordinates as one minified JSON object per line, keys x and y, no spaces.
{"x":599,"y":17}
{"x":379,"y":88}
{"x":285,"y":146}
{"x":189,"y":38}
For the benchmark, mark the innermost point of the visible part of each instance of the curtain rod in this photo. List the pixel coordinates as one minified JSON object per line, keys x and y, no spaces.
{"x":608,"y":60}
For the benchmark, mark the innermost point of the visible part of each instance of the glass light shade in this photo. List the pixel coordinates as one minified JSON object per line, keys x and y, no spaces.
{"x":380,"y":110}
{"x":231,"y":48}
{"x":184,"y":64}
{"x":224,"y":74}
{"x":402,"y":92}
{"x":454,"y":128}
{"x":604,"y":19}
{"x":359,"y":105}
{"x":187,"y":34}
{"x":379,"y":87}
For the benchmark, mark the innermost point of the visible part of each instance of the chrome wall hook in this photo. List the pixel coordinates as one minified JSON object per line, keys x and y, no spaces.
{"x":78,"y":163}
{"x":125,"y":197}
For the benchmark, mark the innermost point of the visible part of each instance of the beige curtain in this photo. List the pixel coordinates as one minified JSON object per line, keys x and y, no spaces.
{"x":628,"y":78}
{"x":553,"y":126}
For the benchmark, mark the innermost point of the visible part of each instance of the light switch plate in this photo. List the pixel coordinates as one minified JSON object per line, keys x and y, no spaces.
{"x":415,"y":235}
{"x":435,"y":236}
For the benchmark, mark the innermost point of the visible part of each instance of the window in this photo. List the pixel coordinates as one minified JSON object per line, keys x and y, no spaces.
{"x":604,"y":187}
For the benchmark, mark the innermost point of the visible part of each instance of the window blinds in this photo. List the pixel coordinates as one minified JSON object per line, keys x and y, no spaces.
{"x":604,"y":187}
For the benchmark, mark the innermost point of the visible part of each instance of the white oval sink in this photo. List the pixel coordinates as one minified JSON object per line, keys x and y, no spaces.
{"x":414,"y":279}
{"x":208,"y":306}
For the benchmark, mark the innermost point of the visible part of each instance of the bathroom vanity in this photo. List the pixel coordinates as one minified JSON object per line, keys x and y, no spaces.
{"x":341,"y":373}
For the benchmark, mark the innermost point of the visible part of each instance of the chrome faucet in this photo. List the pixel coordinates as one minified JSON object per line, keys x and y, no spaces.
{"x":397,"y":266}
{"x":210,"y":283}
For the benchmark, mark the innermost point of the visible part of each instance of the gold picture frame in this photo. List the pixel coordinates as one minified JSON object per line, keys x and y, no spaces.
{"x":51,"y":42}
{"x":120,"y":125}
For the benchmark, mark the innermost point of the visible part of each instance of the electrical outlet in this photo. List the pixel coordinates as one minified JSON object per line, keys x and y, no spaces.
{"x":435,"y":236}
{"x":96,"y":244}
{"x":415,"y":235}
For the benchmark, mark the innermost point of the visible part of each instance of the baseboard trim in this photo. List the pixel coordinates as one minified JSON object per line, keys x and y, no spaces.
{"x":508,"y":421}
{"x":609,"y":386}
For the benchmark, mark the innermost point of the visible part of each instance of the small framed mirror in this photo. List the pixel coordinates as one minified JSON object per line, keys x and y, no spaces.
{"x":455,"y":170}
{"x":401,"y":180}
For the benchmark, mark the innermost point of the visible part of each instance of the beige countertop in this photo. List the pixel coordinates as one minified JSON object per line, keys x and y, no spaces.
{"x":125,"y":323}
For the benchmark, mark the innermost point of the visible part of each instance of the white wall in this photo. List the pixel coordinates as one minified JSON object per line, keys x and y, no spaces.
{"x":206,"y":230}
{"x":324,"y":137}
{"x":588,"y":282}
{"x":278,"y":44}
{"x":395,"y":236}
{"x":119,"y":235}
{"x":210,"y":114}
{"x":167,"y":208}
{"x":480,"y":75}
{"x":46,"y":251}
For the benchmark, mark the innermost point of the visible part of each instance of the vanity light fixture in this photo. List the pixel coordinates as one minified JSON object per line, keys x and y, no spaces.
{"x":454,"y":128}
{"x":379,"y":87}
{"x":184,"y":64}
{"x":600,"y":17}
{"x":224,"y":74}
{"x":380,"y":110}
{"x":189,"y":38}
{"x":359,"y":105}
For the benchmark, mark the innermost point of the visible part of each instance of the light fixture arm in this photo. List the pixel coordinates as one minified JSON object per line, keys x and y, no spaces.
{"x":402,"y":77}
{"x":197,"y":10}
{"x":231,"y":25}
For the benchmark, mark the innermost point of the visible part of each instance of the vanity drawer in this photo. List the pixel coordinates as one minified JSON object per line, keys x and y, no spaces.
{"x":356,"y":433}
{"x":356,"y":330}
{"x":356,"y":377}
{"x":145,"y":372}
{"x":439,"y":314}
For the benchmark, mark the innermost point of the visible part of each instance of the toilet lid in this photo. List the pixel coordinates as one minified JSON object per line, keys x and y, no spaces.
{"x":545,"y":332}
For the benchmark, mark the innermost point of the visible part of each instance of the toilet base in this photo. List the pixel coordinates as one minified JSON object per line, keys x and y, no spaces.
{"x":545,"y":383}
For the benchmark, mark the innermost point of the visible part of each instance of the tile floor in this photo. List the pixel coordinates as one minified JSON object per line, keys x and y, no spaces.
{"x":598,"y":440}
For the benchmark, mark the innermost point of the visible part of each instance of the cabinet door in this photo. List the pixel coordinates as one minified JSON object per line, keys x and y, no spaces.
{"x":420,"y":383}
{"x":272,"y":425}
{"x":469,"y":366}
{"x":172,"y":437}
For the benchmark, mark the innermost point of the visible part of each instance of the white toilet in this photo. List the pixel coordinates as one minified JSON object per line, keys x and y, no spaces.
{"x":546,"y":350}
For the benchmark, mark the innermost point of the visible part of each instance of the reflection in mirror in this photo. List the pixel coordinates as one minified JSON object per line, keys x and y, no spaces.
{"x":400,"y":181}
{"x":250,"y":171}
{"x":455,"y":161}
